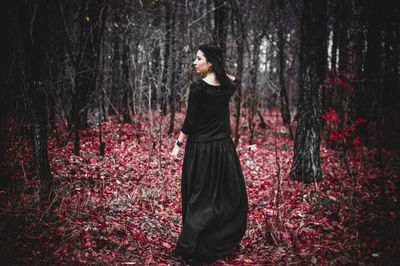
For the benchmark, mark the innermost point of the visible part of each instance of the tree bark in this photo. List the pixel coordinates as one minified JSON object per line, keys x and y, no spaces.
{"x":344,"y":45}
{"x":240,"y":40}
{"x":220,"y":16}
{"x":284,"y":101}
{"x":125,"y":79}
{"x":86,"y":62}
{"x":115,"y":89}
{"x":33,"y":41}
{"x":306,"y":165}
{"x":172,"y":95}
{"x":391,"y":96}
{"x":367,"y":97}
{"x":253,"y":93}
{"x":167,"y":48}
{"x":335,"y":32}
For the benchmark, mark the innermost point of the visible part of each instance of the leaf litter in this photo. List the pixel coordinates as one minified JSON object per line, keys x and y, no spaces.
{"x":125,"y":209}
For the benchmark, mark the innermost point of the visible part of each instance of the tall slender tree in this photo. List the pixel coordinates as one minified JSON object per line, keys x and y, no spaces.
{"x":220,"y":19}
{"x":173,"y":51}
{"x":306,"y":165}
{"x":390,"y":97}
{"x":240,"y":38}
{"x":84,"y":54}
{"x":283,"y":97}
{"x":33,"y":31}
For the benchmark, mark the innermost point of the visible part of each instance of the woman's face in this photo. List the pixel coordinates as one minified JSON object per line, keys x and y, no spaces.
{"x":201,"y":63}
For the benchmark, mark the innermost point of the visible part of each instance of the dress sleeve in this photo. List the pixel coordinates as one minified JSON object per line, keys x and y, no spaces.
{"x":189,"y":125}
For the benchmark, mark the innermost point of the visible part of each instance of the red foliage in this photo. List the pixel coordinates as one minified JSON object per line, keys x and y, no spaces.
{"x":126,"y":209}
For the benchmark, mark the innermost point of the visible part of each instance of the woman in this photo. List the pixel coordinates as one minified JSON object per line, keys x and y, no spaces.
{"x":214,"y":198}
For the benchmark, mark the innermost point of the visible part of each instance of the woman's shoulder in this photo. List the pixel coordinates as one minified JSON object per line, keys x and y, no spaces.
{"x":196,"y":87}
{"x":196,"y":83}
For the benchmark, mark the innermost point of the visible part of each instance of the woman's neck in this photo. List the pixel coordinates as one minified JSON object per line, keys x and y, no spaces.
{"x":210,"y":78}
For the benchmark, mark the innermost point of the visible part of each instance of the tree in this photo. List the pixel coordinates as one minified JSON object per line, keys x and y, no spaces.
{"x":368,"y":96}
{"x":220,"y":17}
{"x":84,"y":53}
{"x":33,"y":30}
{"x":391,"y":96}
{"x":282,"y":33}
{"x":306,"y":165}
{"x":240,"y":37}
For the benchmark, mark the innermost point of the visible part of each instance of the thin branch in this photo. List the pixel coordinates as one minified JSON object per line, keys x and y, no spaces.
{"x":201,"y":17}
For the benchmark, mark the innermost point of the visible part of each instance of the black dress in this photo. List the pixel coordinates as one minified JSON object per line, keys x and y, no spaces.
{"x":214,"y":198}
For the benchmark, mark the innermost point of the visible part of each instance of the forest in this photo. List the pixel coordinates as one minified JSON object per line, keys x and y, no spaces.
{"x":94,"y":94}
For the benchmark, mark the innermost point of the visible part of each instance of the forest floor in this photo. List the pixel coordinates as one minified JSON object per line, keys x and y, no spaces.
{"x":125,"y":208}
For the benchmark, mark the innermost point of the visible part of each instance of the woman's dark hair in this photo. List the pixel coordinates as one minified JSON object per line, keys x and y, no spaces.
{"x":213,"y":54}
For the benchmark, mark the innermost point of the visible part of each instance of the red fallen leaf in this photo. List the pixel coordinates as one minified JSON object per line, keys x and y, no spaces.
{"x":355,"y":142}
{"x":285,"y":235}
{"x":332,"y":198}
{"x":166,"y":245}
{"x":137,"y":236}
{"x":372,"y":177}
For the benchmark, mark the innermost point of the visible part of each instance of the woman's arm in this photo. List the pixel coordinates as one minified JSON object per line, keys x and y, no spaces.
{"x":182,"y":137}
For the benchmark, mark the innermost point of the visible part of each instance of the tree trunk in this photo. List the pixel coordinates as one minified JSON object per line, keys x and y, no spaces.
{"x":344,"y":11}
{"x":240,"y":40}
{"x":253,"y":93}
{"x":359,"y":45}
{"x":344,"y":45}
{"x":115,"y":74}
{"x":125,"y":79}
{"x":306,"y":165}
{"x":391,"y":96}
{"x":33,"y":41}
{"x":284,"y":101}
{"x":37,"y":106}
{"x":239,"y":74}
{"x":367,"y":98}
{"x":167,"y":48}
{"x":220,"y":16}
{"x":86,"y":63}
{"x":335,"y":7}
{"x":172,"y":95}
{"x":155,"y":58}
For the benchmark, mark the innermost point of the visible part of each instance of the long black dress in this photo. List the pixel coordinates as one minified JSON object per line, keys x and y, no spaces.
{"x":214,"y":198}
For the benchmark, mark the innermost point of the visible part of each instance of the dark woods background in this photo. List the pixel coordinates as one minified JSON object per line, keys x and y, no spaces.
{"x":81,"y":61}
{"x":93,"y":94}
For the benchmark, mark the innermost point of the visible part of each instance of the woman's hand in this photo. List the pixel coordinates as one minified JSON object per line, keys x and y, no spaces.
{"x":231,"y":77}
{"x":175,"y":151}
{"x":182,"y":137}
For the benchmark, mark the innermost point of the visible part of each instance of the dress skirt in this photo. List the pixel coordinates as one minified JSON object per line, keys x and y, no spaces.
{"x":214,"y":200}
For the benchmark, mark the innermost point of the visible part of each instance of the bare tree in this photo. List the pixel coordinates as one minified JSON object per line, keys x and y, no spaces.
{"x":32,"y":20}
{"x":306,"y":159}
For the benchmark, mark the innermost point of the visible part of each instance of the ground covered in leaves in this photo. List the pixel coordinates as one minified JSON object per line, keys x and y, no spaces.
{"x":125,"y":208}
